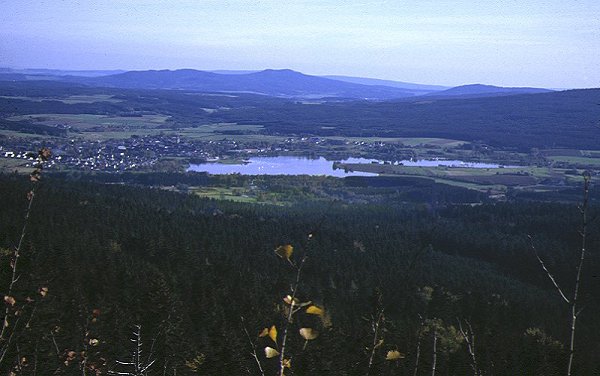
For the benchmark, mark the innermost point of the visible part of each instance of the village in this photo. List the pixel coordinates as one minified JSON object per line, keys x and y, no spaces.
{"x":143,"y":152}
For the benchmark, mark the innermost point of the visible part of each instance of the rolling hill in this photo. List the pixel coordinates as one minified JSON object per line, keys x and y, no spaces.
{"x":278,"y":83}
{"x":283,"y":83}
{"x":418,"y":89}
{"x":478,"y":90}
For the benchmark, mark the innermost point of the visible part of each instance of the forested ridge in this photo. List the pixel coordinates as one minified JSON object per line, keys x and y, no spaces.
{"x":557,"y":119}
{"x":187,"y":269}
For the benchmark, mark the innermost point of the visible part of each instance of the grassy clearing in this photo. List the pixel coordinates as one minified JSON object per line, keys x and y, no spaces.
{"x":99,"y":127}
{"x":473,"y":186}
{"x":587,"y":161}
{"x":239,"y":194}
{"x":218,"y":193}
{"x":114,"y":135}
{"x":215,"y":131}
{"x":72,"y":99}
{"x":561,"y":152}
{"x":83,"y":122}
{"x":9,"y":165}
{"x":29,"y":136}
{"x":482,"y":178}
{"x":412,"y":142}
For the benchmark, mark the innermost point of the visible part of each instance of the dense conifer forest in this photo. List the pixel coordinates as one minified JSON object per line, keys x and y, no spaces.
{"x":389,"y":288}
{"x":301,"y":188}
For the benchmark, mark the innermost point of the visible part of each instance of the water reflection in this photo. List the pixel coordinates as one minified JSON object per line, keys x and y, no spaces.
{"x":283,"y":165}
{"x":290,"y":165}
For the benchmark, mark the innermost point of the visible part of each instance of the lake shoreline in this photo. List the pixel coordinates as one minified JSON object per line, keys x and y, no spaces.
{"x":293,"y":165}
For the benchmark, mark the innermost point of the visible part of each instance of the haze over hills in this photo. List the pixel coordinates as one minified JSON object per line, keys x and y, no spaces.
{"x":283,"y":83}
{"x":478,"y":90}
{"x":418,"y":88}
{"x":278,"y":83}
{"x":61,"y":72}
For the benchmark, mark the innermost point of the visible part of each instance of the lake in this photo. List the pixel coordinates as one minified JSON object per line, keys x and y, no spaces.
{"x":282,"y":165}
{"x":290,"y":165}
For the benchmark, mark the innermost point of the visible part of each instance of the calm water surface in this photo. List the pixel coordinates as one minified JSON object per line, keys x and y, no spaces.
{"x":276,"y":166}
{"x":287,"y":165}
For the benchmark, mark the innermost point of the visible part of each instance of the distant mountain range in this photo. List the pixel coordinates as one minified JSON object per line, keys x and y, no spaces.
{"x":59,"y":72}
{"x":277,"y":83}
{"x":284,"y":83}
{"x":419,"y":89}
{"x":478,"y":90}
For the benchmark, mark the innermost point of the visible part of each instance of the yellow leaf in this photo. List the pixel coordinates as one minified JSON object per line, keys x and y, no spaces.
{"x":308,"y":333}
{"x":394,"y":355}
{"x":378,"y":344}
{"x":264,"y":332}
{"x":271,"y":352}
{"x":9,"y":300}
{"x":94,"y":342}
{"x":314,"y":310}
{"x":284,"y":251}
{"x":273,"y":333}
{"x":287,"y":363}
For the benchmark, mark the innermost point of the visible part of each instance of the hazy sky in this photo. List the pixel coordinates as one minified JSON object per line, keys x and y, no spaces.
{"x":553,"y":43}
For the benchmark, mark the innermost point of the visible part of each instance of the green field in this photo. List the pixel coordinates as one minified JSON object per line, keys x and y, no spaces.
{"x":100,"y":127}
{"x":9,"y":165}
{"x":83,"y":122}
{"x":411,"y":142}
{"x":95,"y":127}
{"x":71,"y":99}
{"x":231,"y":194}
{"x":587,"y":161}
{"x":238,"y":194}
{"x":473,"y":178}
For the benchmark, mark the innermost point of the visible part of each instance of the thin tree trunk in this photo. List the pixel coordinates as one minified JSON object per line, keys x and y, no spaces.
{"x":434,"y":352}
{"x":469,"y":337}
{"x":418,"y":350}
{"x":574,"y":312}
{"x":376,"y":325}
{"x":289,"y":317}
{"x":574,"y":299}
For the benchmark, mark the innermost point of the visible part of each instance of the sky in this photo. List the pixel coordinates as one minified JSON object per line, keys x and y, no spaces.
{"x":551,"y":43}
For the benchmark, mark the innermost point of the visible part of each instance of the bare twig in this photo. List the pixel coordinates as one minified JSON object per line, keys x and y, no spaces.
{"x":376,"y":325}
{"x":34,"y":177}
{"x":6,"y":347}
{"x":137,"y":364}
{"x":282,"y":362}
{"x":550,"y":276}
{"x":253,"y":345}
{"x":55,"y":344}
